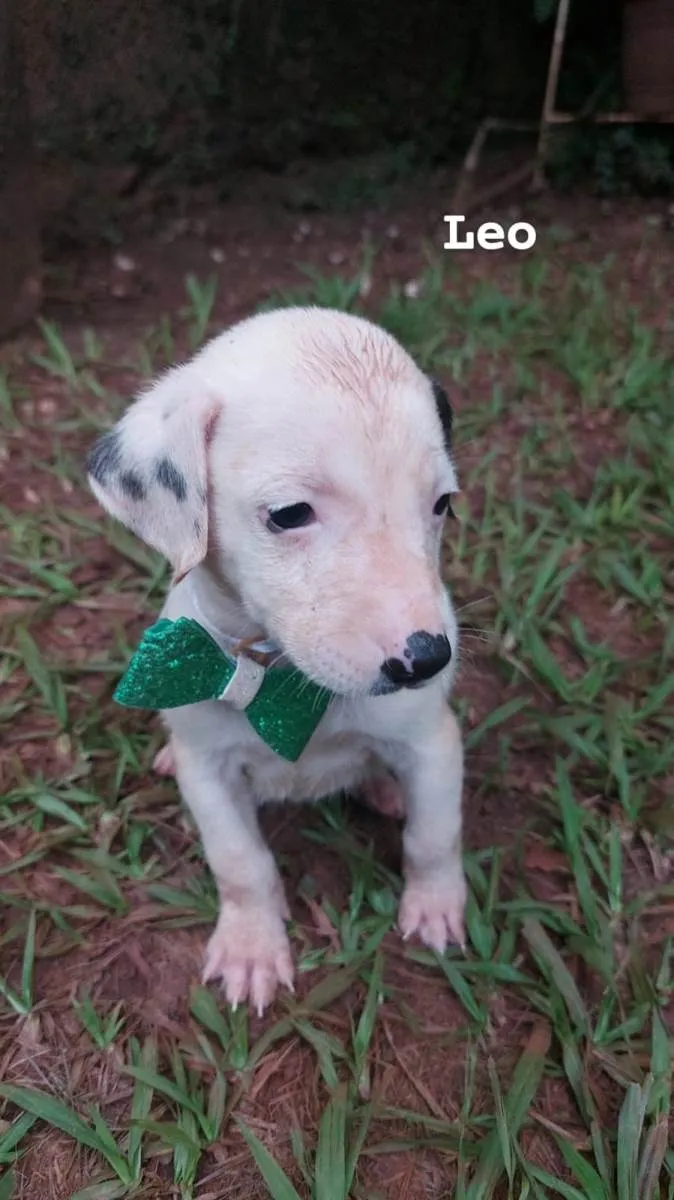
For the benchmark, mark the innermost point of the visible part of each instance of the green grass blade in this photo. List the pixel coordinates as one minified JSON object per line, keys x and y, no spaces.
{"x":103,"y":1189}
{"x":48,"y":1108}
{"x":28,"y":964}
{"x":556,"y":1185}
{"x":362,"y":1036}
{"x":526,"y":1078}
{"x":12,"y":1135}
{"x":584,"y":1172}
{"x":109,"y":1148}
{"x":280,"y":1187}
{"x":557,"y":971}
{"x":460,"y":987}
{"x":630,"y":1128}
{"x":217,"y":1099}
{"x":325,"y":1048}
{"x":356,"y":1145}
{"x":208,"y":1012}
{"x":15,"y":1002}
{"x":501,"y":1122}
{"x":331,"y":1149}
{"x":652,"y":1159}
{"x":141,"y":1104}
{"x":172,"y":1134}
{"x":166,"y":1087}
{"x":661,"y":1067}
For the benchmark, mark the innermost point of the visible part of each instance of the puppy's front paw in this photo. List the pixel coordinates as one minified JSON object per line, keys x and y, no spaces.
{"x":249,"y":950}
{"x":433,"y":908}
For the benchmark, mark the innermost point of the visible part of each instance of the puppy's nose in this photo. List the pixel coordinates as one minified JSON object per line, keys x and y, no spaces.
{"x":424,"y":656}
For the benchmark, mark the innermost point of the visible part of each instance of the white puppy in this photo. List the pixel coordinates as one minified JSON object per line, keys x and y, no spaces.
{"x":297,"y":473}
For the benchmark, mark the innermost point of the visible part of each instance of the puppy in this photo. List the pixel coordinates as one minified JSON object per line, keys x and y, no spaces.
{"x":297,"y":473}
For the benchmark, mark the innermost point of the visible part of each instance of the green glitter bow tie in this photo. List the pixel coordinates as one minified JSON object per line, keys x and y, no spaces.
{"x":179,"y":663}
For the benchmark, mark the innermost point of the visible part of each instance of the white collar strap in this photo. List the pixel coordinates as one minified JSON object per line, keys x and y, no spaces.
{"x":226,"y":641}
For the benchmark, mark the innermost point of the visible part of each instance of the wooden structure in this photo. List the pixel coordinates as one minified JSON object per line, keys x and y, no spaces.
{"x":466,"y":197}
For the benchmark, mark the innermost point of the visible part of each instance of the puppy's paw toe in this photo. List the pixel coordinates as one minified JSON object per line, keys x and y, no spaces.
{"x":384,"y":794}
{"x":164,"y":762}
{"x":250,"y":952}
{"x":434,"y":910}
{"x":265,"y":977}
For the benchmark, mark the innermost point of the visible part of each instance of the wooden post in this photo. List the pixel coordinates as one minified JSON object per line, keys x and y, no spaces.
{"x":20,"y":274}
{"x":551,"y":85}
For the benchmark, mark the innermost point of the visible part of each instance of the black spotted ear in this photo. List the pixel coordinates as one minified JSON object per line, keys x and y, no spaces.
{"x":444,"y":411}
{"x":151,"y":470}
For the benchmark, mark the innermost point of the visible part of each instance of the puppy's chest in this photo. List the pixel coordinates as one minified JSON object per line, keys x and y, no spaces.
{"x":337,"y":763}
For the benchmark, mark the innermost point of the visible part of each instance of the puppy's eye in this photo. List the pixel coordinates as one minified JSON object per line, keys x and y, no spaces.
{"x":294,"y":516}
{"x":443,"y":506}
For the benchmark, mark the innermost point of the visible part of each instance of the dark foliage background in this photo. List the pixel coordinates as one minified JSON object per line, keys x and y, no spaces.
{"x":206,"y":84}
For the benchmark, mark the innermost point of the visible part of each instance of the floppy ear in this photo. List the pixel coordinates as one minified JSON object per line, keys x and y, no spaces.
{"x":444,"y":411}
{"x":151,"y":470}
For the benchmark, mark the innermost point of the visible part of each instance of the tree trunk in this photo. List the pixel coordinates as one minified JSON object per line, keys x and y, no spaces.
{"x":20,"y":275}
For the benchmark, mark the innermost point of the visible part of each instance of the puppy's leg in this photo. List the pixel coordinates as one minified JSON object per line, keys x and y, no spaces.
{"x":164,"y":762}
{"x":383,"y":793}
{"x":249,"y":949}
{"x":434,"y":895}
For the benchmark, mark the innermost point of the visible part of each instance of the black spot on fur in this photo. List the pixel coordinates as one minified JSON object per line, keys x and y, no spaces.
{"x":171,"y":478}
{"x":105,"y":457}
{"x":131,"y":483}
{"x":444,"y":411}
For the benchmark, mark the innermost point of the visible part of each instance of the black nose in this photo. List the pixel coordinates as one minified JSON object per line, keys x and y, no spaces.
{"x":424,"y":656}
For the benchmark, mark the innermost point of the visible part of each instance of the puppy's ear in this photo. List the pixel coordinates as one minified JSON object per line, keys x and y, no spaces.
{"x":444,"y":411}
{"x":151,"y":470}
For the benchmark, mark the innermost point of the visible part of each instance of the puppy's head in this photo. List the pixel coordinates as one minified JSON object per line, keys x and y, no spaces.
{"x":308,"y":458}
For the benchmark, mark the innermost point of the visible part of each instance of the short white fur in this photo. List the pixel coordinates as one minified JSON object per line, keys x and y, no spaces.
{"x":318,"y":407}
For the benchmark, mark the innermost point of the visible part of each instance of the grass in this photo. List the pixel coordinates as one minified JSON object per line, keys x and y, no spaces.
{"x":538,"y":1064}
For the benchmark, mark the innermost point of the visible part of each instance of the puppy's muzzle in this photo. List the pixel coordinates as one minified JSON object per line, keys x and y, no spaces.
{"x":424,"y":656}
